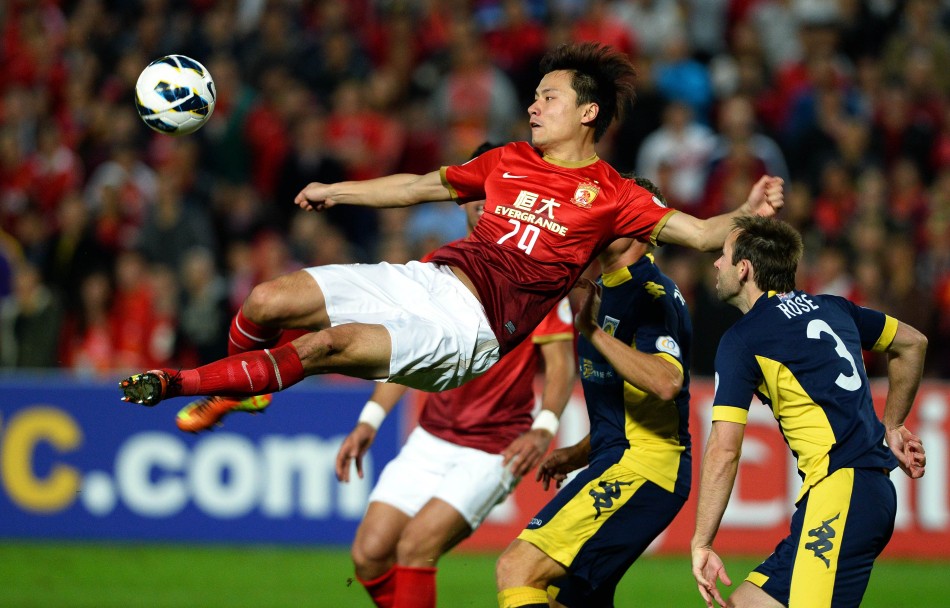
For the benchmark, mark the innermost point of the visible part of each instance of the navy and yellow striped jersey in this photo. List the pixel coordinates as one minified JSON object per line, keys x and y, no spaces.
{"x":801,"y":354}
{"x":642,"y":307}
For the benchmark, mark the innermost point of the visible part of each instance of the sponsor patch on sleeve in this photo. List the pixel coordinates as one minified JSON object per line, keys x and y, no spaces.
{"x":666,"y":344}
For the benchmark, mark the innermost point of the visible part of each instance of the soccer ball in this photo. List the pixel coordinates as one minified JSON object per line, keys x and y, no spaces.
{"x":175,"y":95}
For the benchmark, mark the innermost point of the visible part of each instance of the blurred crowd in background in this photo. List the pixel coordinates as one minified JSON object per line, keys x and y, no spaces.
{"x":122,"y":249}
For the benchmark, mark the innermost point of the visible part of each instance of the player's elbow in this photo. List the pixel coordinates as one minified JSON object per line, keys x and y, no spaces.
{"x":669,"y":383}
{"x":669,"y":390}
{"x":909,"y":342}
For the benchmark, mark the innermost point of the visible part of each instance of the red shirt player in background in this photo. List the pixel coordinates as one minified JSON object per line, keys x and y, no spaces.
{"x":471,"y":447}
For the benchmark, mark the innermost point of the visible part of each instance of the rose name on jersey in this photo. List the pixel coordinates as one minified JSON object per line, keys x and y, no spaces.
{"x":530,"y":208}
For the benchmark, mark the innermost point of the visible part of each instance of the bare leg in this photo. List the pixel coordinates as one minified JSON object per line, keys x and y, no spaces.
{"x":524,"y":565}
{"x":374,"y":548}
{"x":290,"y":301}
{"x":748,"y":595}
{"x":432,"y":533}
{"x":354,"y":349}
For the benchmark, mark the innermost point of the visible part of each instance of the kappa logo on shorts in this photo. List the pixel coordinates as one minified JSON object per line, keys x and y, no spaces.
{"x":822,"y":543}
{"x":605,"y":499}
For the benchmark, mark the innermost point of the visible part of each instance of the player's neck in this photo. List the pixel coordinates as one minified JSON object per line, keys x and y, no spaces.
{"x":570,"y":151}
{"x":747,"y":298}
{"x":613,"y":259}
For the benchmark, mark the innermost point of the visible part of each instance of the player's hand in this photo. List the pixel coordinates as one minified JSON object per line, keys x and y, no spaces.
{"x":708,"y":569}
{"x":558,"y":464}
{"x":524,"y":453}
{"x":353,"y":448}
{"x":909,"y":450}
{"x":314,"y":197}
{"x":586,"y":319}
{"x":766,"y":197}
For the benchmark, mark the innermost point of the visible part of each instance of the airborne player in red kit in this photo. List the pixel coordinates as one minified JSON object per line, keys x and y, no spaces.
{"x":551,"y":207}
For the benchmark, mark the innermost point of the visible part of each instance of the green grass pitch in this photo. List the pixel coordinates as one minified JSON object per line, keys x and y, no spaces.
{"x":174,"y":576}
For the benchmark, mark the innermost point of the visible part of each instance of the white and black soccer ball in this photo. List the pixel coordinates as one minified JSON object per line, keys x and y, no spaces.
{"x":175,"y":95}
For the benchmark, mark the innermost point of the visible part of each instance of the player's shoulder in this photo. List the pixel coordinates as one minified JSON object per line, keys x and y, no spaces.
{"x":831,"y":300}
{"x":748,"y":329}
{"x":629,"y":190}
{"x":520,"y":148}
{"x":646,"y":269}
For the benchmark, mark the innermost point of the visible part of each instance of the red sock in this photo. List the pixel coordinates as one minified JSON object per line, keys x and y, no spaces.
{"x":247,"y":335}
{"x":415,"y":587}
{"x":252,"y":373}
{"x":382,"y":589}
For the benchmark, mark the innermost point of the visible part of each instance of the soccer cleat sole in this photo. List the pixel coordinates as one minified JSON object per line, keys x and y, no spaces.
{"x":145,"y":389}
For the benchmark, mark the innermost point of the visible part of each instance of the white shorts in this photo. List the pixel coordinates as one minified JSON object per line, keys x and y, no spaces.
{"x":440,"y":334}
{"x":470,"y":480}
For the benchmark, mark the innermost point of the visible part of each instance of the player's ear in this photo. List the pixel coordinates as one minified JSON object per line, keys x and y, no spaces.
{"x":744,"y":270}
{"x":590,"y":113}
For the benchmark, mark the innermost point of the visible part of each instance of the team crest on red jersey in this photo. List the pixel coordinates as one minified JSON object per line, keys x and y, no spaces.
{"x":585,"y":194}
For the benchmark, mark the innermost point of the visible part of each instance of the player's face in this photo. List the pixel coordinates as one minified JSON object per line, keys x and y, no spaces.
{"x":727,"y":277}
{"x":473,"y":211}
{"x":554,"y":116}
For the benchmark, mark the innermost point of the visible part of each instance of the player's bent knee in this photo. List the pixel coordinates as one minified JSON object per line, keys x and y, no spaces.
{"x":523,"y":564}
{"x":292,"y":300}
{"x":263,"y":304}
{"x":370,"y":551}
{"x":508,"y":570}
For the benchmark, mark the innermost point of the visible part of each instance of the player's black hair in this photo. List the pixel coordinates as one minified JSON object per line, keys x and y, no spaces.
{"x":773,"y":247}
{"x":602,"y":75}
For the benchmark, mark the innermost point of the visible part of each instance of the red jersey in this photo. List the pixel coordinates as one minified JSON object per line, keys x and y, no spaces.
{"x":489,"y":412}
{"x":544,"y":222}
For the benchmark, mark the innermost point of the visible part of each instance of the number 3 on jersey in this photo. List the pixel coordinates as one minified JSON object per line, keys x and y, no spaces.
{"x":528,"y":238}
{"x":814,"y":331}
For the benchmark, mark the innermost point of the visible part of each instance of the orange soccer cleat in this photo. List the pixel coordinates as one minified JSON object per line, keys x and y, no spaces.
{"x":203,"y":414}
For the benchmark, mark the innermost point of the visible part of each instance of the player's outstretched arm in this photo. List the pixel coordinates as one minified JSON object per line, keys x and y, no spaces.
{"x":400,"y":190}
{"x":384,"y":398}
{"x":905,"y":365}
{"x":526,"y":451}
{"x":765,"y":199}
{"x":647,"y":372}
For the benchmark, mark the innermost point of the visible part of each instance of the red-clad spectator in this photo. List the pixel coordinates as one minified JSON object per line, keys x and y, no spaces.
{"x":730,"y":175}
{"x":86,"y":342}
{"x":368,"y":142}
{"x":599,"y":24}
{"x":835,"y":202}
{"x":54,"y":169}
{"x":32,"y":37}
{"x":266,"y":129}
{"x":899,"y":132}
{"x":396,"y":29}
{"x":909,"y":202}
{"x":517,"y":42}
{"x":132,"y":313}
